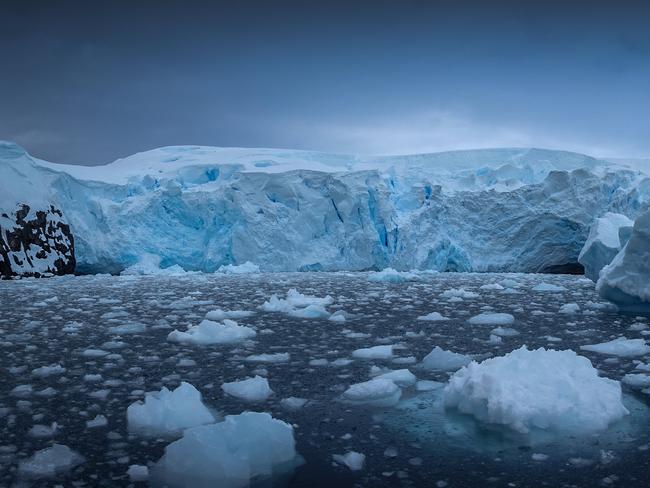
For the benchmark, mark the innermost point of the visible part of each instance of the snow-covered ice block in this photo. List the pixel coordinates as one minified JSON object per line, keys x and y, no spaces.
{"x":603,"y":243}
{"x":622,"y":347}
{"x":209,"y":332}
{"x":377,"y":392}
{"x":50,"y":462}
{"x":245,"y":268}
{"x":440,"y":360}
{"x":626,"y":280}
{"x":490,"y":318}
{"x":375,"y":352}
{"x":254,"y":389}
{"x":167,"y":413}
{"x":352,"y":459}
{"x":230,"y":454}
{"x":537,"y":389}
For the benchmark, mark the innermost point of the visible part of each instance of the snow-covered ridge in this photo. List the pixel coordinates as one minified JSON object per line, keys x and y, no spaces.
{"x":284,"y":210}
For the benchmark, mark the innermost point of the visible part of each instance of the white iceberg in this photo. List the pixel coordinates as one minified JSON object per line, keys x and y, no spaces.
{"x":50,"y":462}
{"x":209,"y":332}
{"x":621,"y":346}
{"x":490,"y":318}
{"x":537,"y":389}
{"x":603,"y":243}
{"x":440,"y":360}
{"x":376,"y":392}
{"x":252,"y":390}
{"x":375,"y":352}
{"x":245,"y":268}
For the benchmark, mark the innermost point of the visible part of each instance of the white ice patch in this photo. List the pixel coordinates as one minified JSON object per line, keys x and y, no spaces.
{"x":401,"y":377}
{"x":440,"y":360}
{"x":253,"y":390}
{"x":230,"y":454}
{"x":352,"y":459}
{"x":50,"y":462}
{"x":375,"y":352}
{"x":377,"y":392}
{"x":390,"y":275}
{"x":298,"y":305}
{"x":489,"y":318}
{"x":549,"y":287}
{"x":538,"y":389}
{"x":245,"y":268}
{"x":167,"y":412}
{"x":622,"y":347}
{"x":433,"y":317}
{"x":209,"y":332}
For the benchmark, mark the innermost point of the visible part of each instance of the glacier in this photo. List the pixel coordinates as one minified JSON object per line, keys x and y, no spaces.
{"x":200,"y":208}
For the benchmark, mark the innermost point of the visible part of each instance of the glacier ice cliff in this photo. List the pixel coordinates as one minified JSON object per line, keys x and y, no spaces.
{"x":606,"y":237}
{"x":201,"y":208}
{"x":626,"y":280}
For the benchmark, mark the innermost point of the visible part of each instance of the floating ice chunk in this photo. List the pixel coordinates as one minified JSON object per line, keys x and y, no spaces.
{"x":280,"y":357}
{"x":637,"y":380}
{"x":492,"y":286}
{"x":390,"y":275}
{"x":376,"y":392}
{"x":622,"y":347}
{"x":45,"y":371}
{"x":254,"y":389}
{"x":149,"y":264}
{"x":536,"y":389}
{"x":626,"y":280}
{"x":338,"y":316}
{"x":293,"y":403}
{"x":22,"y":391}
{"x":401,"y":377}
{"x":352,"y":459}
{"x":440,"y":360}
{"x":50,"y":462}
{"x":98,"y":421}
{"x":43,"y":431}
{"x":209,"y":332}
{"x":245,"y":268}
{"x":94,"y":353}
{"x":504,"y":332}
{"x":548,"y":287}
{"x":428,"y":385}
{"x":138,"y":473}
{"x":603,"y":243}
{"x":310,"y":312}
{"x":130,"y":328}
{"x":536,"y":456}
{"x":569,"y":308}
{"x":167,"y":412}
{"x":489,"y":318}
{"x":495,"y":339}
{"x":218,"y":314}
{"x":433,"y":317}
{"x":375,"y":352}
{"x":637,"y":326}
{"x":459,"y":293}
{"x":230,"y":454}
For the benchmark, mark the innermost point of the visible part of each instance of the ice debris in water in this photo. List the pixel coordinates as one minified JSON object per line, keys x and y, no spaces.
{"x":549,"y":287}
{"x":168,"y":412}
{"x":379,"y":392}
{"x":401,"y":377}
{"x":537,"y":389}
{"x":218,"y":314}
{"x":433,"y":317}
{"x":245,"y":268}
{"x":50,"y":462}
{"x":375,"y":352}
{"x":440,"y":360}
{"x":489,"y":318}
{"x":352,"y":459}
{"x":621,"y":346}
{"x":209,"y":332}
{"x":390,"y":275}
{"x":298,"y":305}
{"x":254,"y":389}
{"x":231,"y":454}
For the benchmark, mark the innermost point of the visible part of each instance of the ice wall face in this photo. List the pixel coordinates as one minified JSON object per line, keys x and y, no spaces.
{"x":201,"y":208}
{"x":604,"y":242}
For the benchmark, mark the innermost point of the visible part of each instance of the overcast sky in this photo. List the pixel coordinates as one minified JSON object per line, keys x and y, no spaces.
{"x":89,"y":82}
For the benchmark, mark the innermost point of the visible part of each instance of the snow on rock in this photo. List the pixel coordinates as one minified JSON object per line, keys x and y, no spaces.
{"x":253,"y":390}
{"x":603,"y":243}
{"x":167,"y":413}
{"x":50,"y":462}
{"x":232,"y":205}
{"x":378,"y":392}
{"x":626,"y":280}
{"x":440,"y":360}
{"x":231,"y":454}
{"x":489,"y":318}
{"x":433,"y":317}
{"x":352,"y":459}
{"x":622,"y":347}
{"x":209,"y":332}
{"x":245,"y":268}
{"x":537,"y":389}
{"x":375,"y":352}
{"x":390,"y":275}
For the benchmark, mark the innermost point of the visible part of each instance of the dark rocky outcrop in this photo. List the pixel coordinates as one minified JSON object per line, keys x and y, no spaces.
{"x":35,"y":243}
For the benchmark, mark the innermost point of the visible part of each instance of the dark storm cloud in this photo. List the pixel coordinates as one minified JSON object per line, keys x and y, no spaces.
{"x":88,"y":82}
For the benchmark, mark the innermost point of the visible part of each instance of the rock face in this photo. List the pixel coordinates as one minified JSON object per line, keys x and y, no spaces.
{"x":626,"y":280}
{"x":35,"y":243}
{"x":606,"y":237}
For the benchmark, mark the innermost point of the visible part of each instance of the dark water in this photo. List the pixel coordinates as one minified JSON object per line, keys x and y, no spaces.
{"x":432,"y":447}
